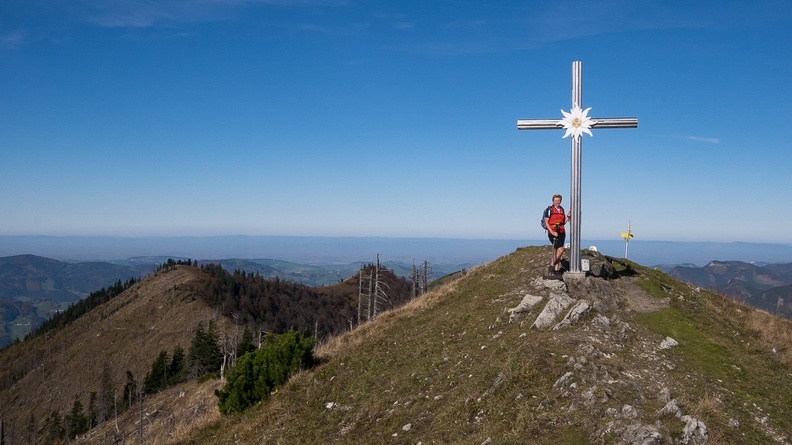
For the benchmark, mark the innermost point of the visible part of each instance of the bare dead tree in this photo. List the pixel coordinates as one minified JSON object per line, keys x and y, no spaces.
{"x":360,"y":292}
{"x":236,"y":339}
{"x":115,"y":408}
{"x":140,"y":414}
{"x":425,"y":278}
{"x":420,"y":279}
{"x":414,"y":282}
{"x":226,"y":353}
{"x":369,"y":305}
{"x":380,"y":295}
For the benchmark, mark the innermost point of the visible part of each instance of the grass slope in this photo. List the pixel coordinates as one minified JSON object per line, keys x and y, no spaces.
{"x":451,"y":368}
{"x":47,"y":373}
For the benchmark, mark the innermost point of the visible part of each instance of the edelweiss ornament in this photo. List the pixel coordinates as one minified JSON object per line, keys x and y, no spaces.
{"x":577,"y":122}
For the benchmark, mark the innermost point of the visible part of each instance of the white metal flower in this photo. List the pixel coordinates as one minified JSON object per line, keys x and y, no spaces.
{"x":576,"y":122}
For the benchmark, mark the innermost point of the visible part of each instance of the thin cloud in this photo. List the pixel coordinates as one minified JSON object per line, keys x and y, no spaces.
{"x":147,"y":13}
{"x":565,"y":21}
{"x":703,"y":139}
{"x":14,"y":39}
{"x":693,"y":138}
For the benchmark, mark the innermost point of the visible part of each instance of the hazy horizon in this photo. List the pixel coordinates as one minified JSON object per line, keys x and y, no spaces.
{"x":326,"y":249}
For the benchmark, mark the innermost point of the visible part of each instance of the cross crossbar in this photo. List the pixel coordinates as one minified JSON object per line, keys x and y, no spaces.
{"x":554,"y":124}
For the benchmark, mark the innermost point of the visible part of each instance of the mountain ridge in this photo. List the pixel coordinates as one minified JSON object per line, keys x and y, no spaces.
{"x":33,"y":288}
{"x":633,"y":357}
{"x":765,"y":287}
{"x":496,"y":354}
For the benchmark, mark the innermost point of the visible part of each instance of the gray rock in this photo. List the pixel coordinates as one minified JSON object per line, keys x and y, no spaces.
{"x":525,"y":305}
{"x":557,"y":304}
{"x":668,"y":343}
{"x":694,"y":430}
{"x":578,"y":311}
{"x":639,"y":434}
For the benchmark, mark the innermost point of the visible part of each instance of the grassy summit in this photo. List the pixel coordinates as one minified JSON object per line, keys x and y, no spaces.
{"x":651,"y":360}
{"x":495,"y":355}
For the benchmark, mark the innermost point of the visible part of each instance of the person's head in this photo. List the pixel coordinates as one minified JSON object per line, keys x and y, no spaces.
{"x":557,"y":199}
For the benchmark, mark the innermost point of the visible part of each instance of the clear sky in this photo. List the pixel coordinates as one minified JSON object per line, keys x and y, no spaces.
{"x":392,"y":119}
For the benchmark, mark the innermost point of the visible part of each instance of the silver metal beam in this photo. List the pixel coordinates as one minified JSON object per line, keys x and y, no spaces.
{"x":601,"y":122}
{"x":577,"y":144}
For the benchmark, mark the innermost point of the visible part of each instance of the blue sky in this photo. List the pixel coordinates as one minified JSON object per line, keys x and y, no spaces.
{"x":392,"y":119}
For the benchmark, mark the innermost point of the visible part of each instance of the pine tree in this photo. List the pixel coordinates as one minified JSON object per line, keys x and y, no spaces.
{"x":204,"y":356}
{"x":258,"y":373}
{"x":176,"y":369}
{"x":54,"y":428}
{"x":92,"y":410}
{"x":245,"y":343}
{"x":105,"y":406}
{"x":76,"y":421}
{"x":157,"y":377}
{"x":130,"y":390}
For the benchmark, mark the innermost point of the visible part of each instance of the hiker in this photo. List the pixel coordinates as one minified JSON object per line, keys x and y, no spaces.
{"x":555,"y":218}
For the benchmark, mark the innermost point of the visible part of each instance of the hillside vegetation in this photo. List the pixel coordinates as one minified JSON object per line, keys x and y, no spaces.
{"x":650,"y":361}
{"x":494,"y":355}
{"x":33,"y":289}
{"x":88,"y":368}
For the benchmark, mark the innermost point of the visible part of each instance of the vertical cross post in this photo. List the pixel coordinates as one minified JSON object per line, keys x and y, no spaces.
{"x":575,"y":174}
{"x":576,"y":124}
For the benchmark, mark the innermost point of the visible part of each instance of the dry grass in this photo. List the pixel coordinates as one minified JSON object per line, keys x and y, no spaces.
{"x":350,"y":339}
{"x":775,"y":332}
{"x":168,"y":417}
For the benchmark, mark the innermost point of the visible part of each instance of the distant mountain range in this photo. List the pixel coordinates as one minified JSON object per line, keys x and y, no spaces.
{"x":340,"y":250}
{"x":767,"y":287}
{"x":33,"y":288}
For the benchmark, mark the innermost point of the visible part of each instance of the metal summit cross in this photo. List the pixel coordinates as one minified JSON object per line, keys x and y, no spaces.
{"x":576,"y":123}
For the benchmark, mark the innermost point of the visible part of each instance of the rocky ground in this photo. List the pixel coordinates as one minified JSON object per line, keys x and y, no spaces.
{"x":605,"y":368}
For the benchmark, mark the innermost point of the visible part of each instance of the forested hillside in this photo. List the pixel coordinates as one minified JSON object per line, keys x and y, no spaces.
{"x":275,"y":305}
{"x":124,"y":345}
{"x":33,"y":288}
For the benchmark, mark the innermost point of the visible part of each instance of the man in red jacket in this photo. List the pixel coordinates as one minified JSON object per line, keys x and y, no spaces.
{"x":555,"y":219}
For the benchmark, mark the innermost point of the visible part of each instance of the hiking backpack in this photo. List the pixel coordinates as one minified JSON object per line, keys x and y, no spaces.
{"x":542,"y":221}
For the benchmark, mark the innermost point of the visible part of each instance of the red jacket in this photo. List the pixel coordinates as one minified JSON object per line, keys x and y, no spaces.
{"x":557,"y":215}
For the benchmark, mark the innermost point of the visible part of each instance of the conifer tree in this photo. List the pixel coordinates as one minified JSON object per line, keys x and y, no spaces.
{"x":92,"y":410}
{"x":258,"y":373}
{"x":204,"y":355}
{"x":54,"y":429}
{"x":130,"y":390}
{"x":105,"y":406}
{"x":176,"y":369}
{"x":157,"y":377}
{"x":75,"y":421}
{"x":245,"y":343}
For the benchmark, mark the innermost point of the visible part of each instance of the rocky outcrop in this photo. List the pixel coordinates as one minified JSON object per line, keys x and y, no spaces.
{"x":589,"y":308}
